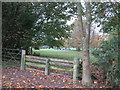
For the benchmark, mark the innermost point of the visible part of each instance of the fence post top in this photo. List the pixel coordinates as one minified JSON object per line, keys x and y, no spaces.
{"x":80,"y":60}
{"x":76,"y":60}
{"x":23,"y":51}
{"x":47,"y":60}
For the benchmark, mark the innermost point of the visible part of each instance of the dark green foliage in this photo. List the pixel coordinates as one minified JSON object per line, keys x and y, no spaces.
{"x":18,"y":20}
{"x":35,"y":24}
{"x":107,"y":14}
{"x":108,"y":54}
{"x":52,"y":25}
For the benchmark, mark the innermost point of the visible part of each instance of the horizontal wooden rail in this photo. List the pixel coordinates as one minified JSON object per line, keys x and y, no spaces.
{"x":61,"y":60}
{"x":51,"y":63}
{"x":61,"y":64}
{"x":51,"y":59}
{"x":36,"y":57}
{"x":10,"y":49}
{"x":61,"y":69}
{"x":35,"y":65}
{"x":31,"y":60}
{"x":16,"y":54}
{"x":9,"y":56}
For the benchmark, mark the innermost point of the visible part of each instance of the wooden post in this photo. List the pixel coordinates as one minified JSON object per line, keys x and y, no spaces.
{"x":22,"y":60}
{"x":76,"y":69}
{"x":47,"y":67}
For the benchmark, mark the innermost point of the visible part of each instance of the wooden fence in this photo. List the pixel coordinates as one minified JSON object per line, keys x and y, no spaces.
{"x":46,"y":65}
{"x":11,"y":54}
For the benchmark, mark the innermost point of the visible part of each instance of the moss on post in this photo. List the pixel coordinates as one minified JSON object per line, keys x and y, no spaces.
{"x":47,"y":67}
{"x":76,"y":69}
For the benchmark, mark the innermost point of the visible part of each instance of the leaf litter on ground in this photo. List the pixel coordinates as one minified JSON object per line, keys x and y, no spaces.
{"x":15,"y":78}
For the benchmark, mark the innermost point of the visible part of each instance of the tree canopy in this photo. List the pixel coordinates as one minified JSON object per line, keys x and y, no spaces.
{"x":35,"y":24}
{"x":107,"y":14}
{"x":52,"y":24}
{"x":18,"y":21}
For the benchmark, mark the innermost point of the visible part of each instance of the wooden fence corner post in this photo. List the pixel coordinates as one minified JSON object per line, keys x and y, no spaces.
{"x":76,"y":69}
{"x":47,"y":72}
{"x":22,"y":60}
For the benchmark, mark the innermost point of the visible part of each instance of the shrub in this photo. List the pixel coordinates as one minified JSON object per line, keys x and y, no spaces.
{"x":108,"y":59}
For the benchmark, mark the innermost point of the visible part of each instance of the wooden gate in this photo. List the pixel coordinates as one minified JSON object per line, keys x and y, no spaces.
{"x":11,"y":54}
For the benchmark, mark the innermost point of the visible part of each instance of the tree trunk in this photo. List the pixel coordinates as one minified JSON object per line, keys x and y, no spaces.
{"x":86,"y":74}
{"x":80,"y":21}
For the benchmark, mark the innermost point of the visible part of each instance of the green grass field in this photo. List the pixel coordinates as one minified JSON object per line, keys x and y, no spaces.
{"x":61,"y":54}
